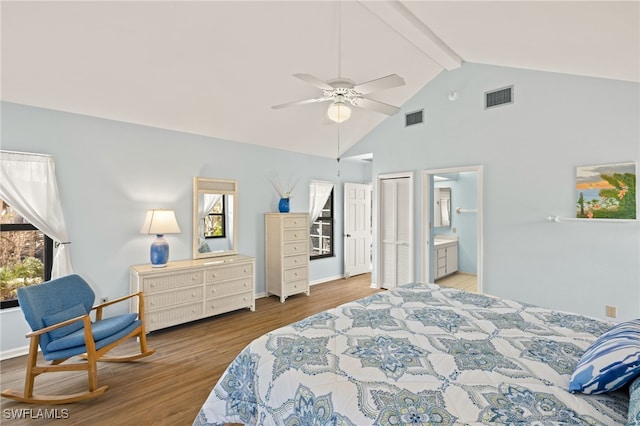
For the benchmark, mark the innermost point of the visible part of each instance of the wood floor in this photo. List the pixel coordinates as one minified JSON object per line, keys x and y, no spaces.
{"x":169,"y":387}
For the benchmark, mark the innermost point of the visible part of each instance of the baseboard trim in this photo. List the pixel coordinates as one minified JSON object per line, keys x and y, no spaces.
{"x":14,"y":353}
{"x":326,"y":279}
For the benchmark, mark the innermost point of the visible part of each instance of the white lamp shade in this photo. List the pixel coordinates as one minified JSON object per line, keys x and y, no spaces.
{"x":160,"y":222}
{"x":339,"y":112}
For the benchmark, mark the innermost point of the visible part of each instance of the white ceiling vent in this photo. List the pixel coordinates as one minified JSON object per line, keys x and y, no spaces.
{"x":498,"y":97}
{"x":412,"y":118}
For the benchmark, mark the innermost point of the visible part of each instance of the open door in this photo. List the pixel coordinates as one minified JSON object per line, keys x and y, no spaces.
{"x":357,"y":229}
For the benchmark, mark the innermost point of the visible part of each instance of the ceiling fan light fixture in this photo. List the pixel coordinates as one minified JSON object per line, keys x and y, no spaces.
{"x":339,"y":112}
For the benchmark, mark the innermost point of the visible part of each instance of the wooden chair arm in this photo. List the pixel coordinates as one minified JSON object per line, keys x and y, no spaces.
{"x":98,"y":308}
{"x":85,"y":317}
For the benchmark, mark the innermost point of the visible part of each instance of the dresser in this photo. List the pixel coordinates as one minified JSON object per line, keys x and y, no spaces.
{"x":287,"y":253}
{"x":188,"y":290}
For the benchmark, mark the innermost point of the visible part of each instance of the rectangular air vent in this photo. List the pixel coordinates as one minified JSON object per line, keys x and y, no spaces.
{"x":498,"y":97}
{"x":413,"y":118}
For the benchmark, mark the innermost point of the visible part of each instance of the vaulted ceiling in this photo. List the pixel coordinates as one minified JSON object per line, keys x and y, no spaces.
{"x":216,"y":68}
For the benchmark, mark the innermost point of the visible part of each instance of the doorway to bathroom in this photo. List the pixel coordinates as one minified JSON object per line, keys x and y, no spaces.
{"x":452,"y":227}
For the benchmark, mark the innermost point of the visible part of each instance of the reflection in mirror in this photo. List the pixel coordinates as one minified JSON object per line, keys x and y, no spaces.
{"x":214,"y":217}
{"x":442,"y":207}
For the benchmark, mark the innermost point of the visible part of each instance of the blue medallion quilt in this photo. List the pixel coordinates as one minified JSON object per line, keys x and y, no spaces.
{"x":416,"y":355}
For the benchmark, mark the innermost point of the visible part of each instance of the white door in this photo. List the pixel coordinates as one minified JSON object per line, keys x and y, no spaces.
{"x":396,"y":231}
{"x":357,"y":229}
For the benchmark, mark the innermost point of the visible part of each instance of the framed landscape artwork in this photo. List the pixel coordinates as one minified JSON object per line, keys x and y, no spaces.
{"x":606,"y":191}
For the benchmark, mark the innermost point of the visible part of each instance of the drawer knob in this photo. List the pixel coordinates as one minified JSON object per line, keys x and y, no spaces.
{"x":194,"y":277}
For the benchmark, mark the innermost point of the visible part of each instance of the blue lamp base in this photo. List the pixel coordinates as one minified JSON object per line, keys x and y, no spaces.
{"x":159,"y":252}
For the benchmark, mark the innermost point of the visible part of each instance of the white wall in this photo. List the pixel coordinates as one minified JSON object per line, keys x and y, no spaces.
{"x":529,"y":152}
{"x":109,"y":173}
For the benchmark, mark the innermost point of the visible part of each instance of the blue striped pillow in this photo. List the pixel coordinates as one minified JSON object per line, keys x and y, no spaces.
{"x":610,"y":362}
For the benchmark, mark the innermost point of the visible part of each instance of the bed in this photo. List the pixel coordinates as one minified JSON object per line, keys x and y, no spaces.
{"x":419,"y":354}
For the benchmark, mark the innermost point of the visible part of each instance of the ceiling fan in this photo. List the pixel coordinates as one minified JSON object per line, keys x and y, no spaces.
{"x":341,"y":91}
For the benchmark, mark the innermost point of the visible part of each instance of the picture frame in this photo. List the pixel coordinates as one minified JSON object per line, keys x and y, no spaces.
{"x":606,"y":192}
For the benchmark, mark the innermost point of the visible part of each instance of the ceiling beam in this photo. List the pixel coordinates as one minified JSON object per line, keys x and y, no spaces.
{"x":398,"y":17}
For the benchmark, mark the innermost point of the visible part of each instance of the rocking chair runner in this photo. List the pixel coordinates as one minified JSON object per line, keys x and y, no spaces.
{"x":58,"y":312}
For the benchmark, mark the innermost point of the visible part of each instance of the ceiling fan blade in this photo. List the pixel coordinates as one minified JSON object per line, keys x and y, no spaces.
{"x":306,"y":101}
{"x":377,"y":106}
{"x":393,"y":80}
{"x":314,"y":81}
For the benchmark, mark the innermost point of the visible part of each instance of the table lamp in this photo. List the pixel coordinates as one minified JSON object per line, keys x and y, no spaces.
{"x":160,"y":222}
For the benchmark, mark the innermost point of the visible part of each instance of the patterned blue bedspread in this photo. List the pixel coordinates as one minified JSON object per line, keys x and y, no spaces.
{"x":416,"y":355}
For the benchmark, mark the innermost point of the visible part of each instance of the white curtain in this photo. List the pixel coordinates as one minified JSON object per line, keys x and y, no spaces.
{"x":28,"y":184}
{"x":318,"y":195}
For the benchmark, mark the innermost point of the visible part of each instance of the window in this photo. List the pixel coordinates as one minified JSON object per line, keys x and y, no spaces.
{"x":322,"y":231}
{"x":214,"y":224}
{"x":26,"y":255}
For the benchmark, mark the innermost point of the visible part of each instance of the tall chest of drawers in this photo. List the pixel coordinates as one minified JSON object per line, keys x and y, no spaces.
{"x":287,"y":253}
{"x":188,"y":290}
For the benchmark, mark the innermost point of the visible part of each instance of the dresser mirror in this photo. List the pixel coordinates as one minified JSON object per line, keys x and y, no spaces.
{"x":215,"y":217}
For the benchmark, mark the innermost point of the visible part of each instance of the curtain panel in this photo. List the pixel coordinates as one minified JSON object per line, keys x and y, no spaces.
{"x":28,"y":184}
{"x":318,"y":195}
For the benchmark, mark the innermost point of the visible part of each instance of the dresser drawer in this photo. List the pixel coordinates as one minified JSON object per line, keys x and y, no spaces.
{"x":295,"y":287}
{"x":295,"y":274}
{"x":172,"y":316}
{"x":295,"y":234}
{"x":229,"y":303}
{"x":295,"y":248}
{"x":294,"y":222}
{"x":156,"y":301}
{"x":229,"y":272}
{"x":230,"y":287}
{"x":170,"y":282}
{"x":293,"y":261}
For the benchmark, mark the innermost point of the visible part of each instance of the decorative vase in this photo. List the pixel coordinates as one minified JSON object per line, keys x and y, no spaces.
{"x":283,"y":205}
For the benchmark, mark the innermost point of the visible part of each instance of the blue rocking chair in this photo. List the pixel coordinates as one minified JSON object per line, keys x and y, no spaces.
{"x":58,"y":313}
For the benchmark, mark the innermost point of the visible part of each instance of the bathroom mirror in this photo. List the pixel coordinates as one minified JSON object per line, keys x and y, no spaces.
{"x":442,"y":207}
{"x":215,"y":220}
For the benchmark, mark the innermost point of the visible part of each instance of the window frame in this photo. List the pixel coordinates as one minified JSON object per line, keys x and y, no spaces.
{"x":222,"y":215}
{"x":331,"y":221}
{"x":48,"y":255}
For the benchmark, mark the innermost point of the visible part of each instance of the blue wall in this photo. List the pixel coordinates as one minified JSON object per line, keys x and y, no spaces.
{"x":109,"y":173}
{"x":529,"y":152}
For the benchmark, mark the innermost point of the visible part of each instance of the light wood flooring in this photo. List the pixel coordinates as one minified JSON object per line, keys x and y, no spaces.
{"x":169,"y":387}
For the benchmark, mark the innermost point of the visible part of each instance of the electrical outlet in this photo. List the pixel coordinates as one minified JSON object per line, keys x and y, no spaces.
{"x":104,"y":299}
{"x":610,"y":311}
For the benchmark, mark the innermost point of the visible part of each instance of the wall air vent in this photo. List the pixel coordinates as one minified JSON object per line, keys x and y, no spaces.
{"x":413,"y":118}
{"x":498,"y":97}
